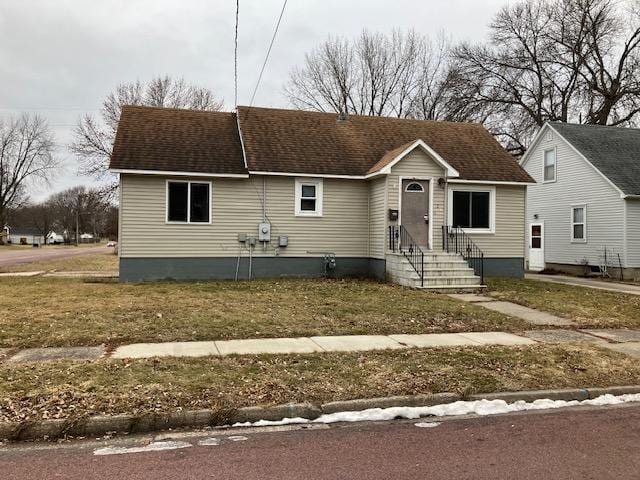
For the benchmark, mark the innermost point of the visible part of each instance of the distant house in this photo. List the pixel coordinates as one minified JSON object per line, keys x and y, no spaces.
{"x":583,"y":214}
{"x":54,"y":238}
{"x":270,"y":192}
{"x":26,"y":236}
{"x":4,"y":234}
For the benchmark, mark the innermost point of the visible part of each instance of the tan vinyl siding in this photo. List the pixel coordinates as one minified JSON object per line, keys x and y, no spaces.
{"x":508,"y":239}
{"x":377,"y":217}
{"x":418,"y":164}
{"x":236,"y":208}
{"x":633,"y":232}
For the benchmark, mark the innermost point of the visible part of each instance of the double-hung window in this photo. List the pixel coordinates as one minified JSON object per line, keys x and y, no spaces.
{"x":188,"y":202}
{"x":579,"y":223}
{"x":549,"y":170}
{"x":308,"y":197}
{"x":472,"y":209}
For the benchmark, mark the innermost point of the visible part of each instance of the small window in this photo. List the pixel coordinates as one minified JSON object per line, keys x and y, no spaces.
{"x":550,"y":165}
{"x":579,"y":224}
{"x":188,"y":202}
{"x":471,"y":209}
{"x":414,"y":187}
{"x":308,"y":197}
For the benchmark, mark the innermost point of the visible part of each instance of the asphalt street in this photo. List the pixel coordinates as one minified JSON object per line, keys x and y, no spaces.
{"x":578,"y":443}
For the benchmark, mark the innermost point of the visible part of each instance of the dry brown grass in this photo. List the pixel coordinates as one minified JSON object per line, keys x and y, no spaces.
{"x":588,"y":307}
{"x":63,"y":312}
{"x":75,"y":389}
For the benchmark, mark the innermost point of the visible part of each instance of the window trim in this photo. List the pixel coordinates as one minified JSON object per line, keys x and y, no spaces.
{"x":492,"y":207}
{"x":188,"y":222}
{"x":555,"y":164}
{"x":574,"y":207}
{"x":318,"y":184}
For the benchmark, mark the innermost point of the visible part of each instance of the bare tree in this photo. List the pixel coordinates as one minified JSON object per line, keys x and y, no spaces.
{"x":566,"y":60}
{"x":26,"y":156}
{"x":403,"y":75}
{"x":93,"y":137}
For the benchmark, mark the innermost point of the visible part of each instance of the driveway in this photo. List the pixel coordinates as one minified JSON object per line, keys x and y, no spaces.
{"x":16,"y":256}
{"x":585,"y":282}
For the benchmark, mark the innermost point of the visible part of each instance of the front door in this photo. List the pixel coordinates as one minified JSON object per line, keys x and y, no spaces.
{"x":536,"y":247}
{"x":414,"y":214}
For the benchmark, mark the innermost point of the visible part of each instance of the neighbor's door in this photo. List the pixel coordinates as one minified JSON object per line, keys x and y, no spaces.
{"x":536,"y":247}
{"x":414,"y":211}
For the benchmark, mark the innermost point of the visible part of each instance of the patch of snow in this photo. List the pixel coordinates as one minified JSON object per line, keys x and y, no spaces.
{"x":427,"y":424}
{"x":152,"y":447}
{"x":237,"y":438}
{"x":209,"y":442}
{"x":477,"y":407}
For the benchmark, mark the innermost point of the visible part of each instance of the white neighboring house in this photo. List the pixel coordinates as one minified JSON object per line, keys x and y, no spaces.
{"x":25,"y":236}
{"x":54,"y":238}
{"x":583,"y":213}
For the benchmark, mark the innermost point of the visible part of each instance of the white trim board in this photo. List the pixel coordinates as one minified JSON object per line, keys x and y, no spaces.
{"x":451,"y":172}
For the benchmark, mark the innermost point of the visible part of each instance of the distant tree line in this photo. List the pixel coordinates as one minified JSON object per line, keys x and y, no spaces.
{"x":71,"y":212}
{"x":545,"y":60}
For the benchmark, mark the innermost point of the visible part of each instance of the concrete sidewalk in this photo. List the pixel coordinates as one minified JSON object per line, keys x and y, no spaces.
{"x":625,"y":341}
{"x":585,"y":282}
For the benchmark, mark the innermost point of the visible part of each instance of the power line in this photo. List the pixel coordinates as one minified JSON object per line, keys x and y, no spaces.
{"x":266,"y":58}
{"x":235,"y":56}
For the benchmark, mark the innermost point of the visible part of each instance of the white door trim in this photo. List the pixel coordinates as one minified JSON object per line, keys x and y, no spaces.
{"x":430,"y":209}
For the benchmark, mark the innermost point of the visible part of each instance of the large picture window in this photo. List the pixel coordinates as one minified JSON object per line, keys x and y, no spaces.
{"x":472,"y":208}
{"x":188,"y":202}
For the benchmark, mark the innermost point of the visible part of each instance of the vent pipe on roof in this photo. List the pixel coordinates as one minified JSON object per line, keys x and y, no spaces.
{"x":342,"y":116}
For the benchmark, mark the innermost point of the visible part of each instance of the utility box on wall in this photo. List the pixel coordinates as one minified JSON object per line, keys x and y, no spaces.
{"x":393,"y":214}
{"x":264,"y":232}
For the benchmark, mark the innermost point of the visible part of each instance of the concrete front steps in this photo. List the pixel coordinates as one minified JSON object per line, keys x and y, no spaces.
{"x":443,"y":272}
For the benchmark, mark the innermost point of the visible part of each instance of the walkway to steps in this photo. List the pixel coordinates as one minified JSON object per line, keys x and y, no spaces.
{"x":624,"y":341}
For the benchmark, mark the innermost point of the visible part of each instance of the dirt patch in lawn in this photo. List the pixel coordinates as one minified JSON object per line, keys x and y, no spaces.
{"x":588,"y":307}
{"x":93,"y":262}
{"x":70,"y":312}
{"x":76,"y":389}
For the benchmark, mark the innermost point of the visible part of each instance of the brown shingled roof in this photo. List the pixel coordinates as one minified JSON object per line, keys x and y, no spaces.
{"x":168,"y":139}
{"x":305,"y":142}
{"x":388,"y":157}
{"x":295,"y":141}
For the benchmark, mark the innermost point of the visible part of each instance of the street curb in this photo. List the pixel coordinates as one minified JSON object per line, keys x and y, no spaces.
{"x":105,"y":424}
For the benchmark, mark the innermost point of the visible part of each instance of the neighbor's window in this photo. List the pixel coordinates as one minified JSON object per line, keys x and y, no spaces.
{"x":579,"y":223}
{"x":550,"y":165}
{"x":188,"y":202}
{"x":472,"y":209}
{"x":308,"y":197}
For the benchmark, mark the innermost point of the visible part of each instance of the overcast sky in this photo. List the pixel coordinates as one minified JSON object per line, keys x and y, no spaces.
{"x":60,"y":58}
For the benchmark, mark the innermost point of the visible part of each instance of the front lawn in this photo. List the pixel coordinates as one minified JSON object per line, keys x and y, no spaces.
{"x":42,"y":311}
{"x":93,"y":262}
{"x":76,"y":389}
{"x":588,"y":307}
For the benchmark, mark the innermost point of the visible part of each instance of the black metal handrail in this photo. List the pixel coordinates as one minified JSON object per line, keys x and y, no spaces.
{"x":455,"y":239}
{"x":401,"y":241}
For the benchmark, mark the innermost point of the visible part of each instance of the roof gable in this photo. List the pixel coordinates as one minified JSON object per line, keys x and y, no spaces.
{"x":613,"y":151}
{"x":394,"y":156}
